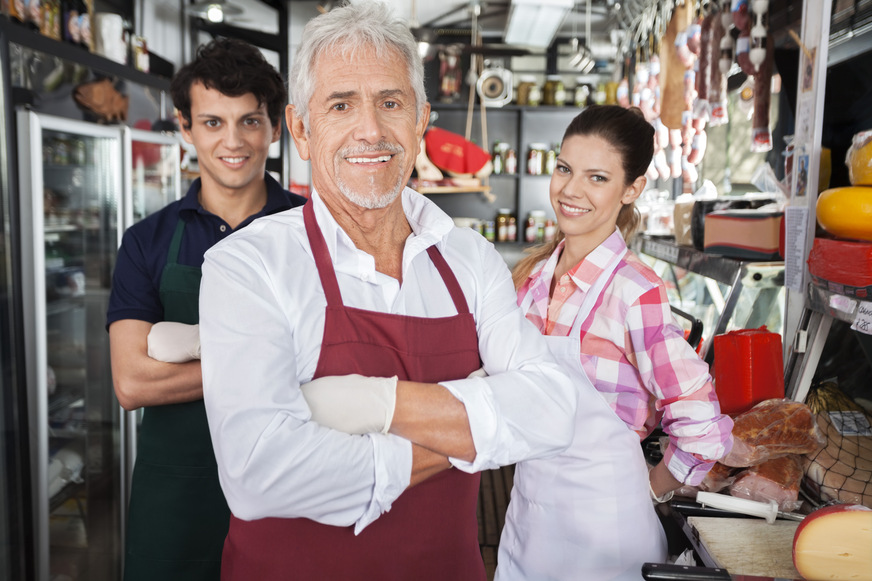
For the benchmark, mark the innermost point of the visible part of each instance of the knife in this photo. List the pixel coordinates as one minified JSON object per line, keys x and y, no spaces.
{"x":671,"y":572}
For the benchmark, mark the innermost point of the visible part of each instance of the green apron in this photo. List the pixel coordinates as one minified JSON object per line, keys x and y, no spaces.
{"x":178,"y":517}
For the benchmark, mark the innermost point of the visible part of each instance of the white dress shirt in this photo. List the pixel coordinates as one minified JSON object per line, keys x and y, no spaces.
{"x":261,"y":325}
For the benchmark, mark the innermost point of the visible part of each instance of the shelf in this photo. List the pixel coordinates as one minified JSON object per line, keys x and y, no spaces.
{"x":57,"y":228}
{"x":714,"y":266}
{"x":57,"y":306}
{"x":823,"y":305}
{"x":835,"y":305}
{"x":71,"y":490}
{"x":64,"y":50}
{"x":453,"y":190}
{"x":437,"y":105}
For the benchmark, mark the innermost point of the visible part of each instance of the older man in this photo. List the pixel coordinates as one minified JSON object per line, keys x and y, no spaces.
{"x":369,"y":279}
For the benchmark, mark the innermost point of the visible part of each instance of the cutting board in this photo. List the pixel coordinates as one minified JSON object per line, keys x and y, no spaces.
{"x":749,"y":546}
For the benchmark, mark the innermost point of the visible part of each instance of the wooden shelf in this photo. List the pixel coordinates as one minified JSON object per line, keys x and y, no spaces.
{"x":454,"y":190}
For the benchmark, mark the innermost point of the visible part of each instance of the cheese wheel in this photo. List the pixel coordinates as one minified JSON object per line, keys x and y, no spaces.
{"x":833,"y":544}
{"x":846,"y":212}
{"x":859,"y":159}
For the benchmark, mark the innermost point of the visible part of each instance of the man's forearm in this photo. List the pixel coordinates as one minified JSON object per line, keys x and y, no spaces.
{"x":426,"y":463}
{"x":429,"y":415}
{"x":141,"y":381}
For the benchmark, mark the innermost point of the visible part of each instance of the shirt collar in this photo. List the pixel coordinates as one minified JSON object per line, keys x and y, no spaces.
{"x":586,"y":272}
{"x":277,"y":199}
{"x":430,"y":225}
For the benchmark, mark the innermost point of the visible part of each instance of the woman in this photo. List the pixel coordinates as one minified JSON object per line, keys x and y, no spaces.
{"x":587,"y":513}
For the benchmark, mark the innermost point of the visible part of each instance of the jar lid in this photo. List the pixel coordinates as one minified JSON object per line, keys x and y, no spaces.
{"x":538,"y":146}
{"x":504,"y":211}
{"x":553,"y":77}
{"x":537,"y":212}
{"x":527,"y":79}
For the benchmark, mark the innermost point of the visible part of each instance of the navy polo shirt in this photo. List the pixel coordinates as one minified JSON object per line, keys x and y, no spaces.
{"x":144,"y":247}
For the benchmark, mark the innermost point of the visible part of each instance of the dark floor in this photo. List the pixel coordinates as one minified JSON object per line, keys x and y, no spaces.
{"x":493,"y":498}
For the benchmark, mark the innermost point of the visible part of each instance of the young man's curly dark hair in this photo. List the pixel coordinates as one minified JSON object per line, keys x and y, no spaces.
{"x":234,"y":68}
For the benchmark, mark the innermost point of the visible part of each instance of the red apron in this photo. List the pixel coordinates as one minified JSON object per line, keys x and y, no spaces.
{"x":431,"y":531}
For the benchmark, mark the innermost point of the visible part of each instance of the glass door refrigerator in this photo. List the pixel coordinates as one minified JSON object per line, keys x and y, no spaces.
{"x":71,"y":185}
{"x":152,"y":180}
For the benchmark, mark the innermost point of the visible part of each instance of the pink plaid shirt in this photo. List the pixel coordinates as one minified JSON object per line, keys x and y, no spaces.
{"x":635,"y":354}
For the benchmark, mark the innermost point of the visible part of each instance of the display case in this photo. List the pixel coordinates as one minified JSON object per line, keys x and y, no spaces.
{"x":724,"y":293}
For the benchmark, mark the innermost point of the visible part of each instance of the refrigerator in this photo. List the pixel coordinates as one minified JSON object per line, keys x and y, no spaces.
{"x":84,"y":184}
{"x":70,"y":188}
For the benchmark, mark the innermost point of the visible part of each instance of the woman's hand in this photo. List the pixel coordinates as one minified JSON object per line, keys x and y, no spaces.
{"x":662,"y":483}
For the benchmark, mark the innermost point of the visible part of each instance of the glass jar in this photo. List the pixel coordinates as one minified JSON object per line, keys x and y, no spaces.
{"x":539,"y":225}
{"x":582,"y":93}
{"x":535,"y":96}
{"x":530,"y":229}
{"x":550,"y":230}
{"x":502,"y":225}
{"x":511,"y":162}
{"x":525,"y":84}
{"x":536,"y":159}
{"x":489,"y":230}
{"x":497,"y":158}
{"x":555,"y":92}
{"x":550,"y":161}
{"x":513,"y":230}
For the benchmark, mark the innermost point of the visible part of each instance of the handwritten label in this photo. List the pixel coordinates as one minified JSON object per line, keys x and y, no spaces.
{"x":863,"y":320}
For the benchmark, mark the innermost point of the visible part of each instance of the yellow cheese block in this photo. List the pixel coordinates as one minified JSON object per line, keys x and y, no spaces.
{"x":846,"y":212}
{"x":859,"y":159}
{"x":835,"y":544}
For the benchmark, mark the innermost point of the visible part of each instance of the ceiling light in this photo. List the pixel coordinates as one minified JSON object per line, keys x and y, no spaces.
{"x":535,"y":22}
{"x":426,"y":38}
{"x":213,"y":10}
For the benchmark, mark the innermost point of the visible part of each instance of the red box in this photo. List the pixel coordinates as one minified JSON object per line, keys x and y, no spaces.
{"x":748,"y":368}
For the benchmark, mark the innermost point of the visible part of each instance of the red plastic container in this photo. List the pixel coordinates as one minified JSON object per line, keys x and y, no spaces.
{"x":748,"y":368}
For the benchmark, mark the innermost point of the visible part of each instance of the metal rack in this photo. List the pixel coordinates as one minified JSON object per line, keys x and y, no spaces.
{"x":823,"y":306}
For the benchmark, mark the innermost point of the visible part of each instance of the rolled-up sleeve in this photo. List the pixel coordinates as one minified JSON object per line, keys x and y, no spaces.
{"x":273,"y":461}
{"x":679,"y":380}
{"x":525,"y":407}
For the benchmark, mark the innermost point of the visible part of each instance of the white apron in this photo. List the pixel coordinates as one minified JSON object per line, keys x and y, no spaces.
{"x":586,"y":514}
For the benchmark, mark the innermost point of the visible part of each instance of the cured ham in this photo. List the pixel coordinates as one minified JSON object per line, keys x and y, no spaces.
{"x":773,"y":428}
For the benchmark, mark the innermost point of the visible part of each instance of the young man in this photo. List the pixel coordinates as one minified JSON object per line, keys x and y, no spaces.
{"x":369,"y":279}
{"x":229,"y":102}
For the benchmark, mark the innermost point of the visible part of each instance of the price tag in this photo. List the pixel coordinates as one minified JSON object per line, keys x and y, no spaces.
{"x":795,"y":230}
{"x":863,"y":320}
{"x":851,"y":423}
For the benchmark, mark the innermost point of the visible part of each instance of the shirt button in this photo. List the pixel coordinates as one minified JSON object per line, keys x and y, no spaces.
{"x":563,"y":289}
{"x":223,"y":227}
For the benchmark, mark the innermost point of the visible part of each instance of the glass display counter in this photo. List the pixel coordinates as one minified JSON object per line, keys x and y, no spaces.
{"x":723,"y":293}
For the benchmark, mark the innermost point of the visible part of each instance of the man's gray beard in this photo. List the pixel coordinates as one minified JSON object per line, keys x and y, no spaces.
{"x":372,"y":200}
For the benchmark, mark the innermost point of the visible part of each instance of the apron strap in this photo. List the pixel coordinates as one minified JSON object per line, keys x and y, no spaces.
{"x":594,"y":295}
{"x":322,"y":256}
{"x":449,"y":279}
{"x":328,"y":275}
{"x":176,"y":242}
